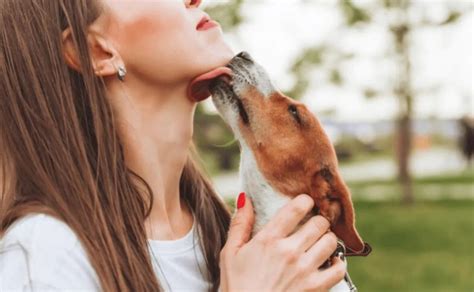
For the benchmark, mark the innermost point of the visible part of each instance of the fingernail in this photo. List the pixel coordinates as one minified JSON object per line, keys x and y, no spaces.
{"x":241,"y":200}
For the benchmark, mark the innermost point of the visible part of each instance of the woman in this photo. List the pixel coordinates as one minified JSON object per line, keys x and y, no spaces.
{"x":99,"y":188}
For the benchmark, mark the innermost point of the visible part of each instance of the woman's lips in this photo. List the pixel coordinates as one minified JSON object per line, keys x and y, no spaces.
{"x":208,"y":24}
{"x":198,"y":88}
{"x":203,"y":20}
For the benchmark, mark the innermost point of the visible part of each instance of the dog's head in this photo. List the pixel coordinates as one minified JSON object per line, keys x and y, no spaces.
{"x":290,"y":147}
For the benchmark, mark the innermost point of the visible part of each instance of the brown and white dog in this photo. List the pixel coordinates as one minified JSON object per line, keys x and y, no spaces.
{"x":284,"y":150}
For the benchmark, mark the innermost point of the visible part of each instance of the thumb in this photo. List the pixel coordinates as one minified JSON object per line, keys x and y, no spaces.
{"x":241,"y":224}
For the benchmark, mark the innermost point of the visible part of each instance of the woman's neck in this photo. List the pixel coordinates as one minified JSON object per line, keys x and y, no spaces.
{"x":156,"y":128}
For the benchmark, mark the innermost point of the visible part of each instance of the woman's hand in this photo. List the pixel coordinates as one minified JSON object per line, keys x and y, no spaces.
{"x":274,"y":260}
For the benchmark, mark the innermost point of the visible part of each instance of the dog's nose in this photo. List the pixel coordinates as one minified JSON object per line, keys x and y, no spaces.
{"x":246,"y":56}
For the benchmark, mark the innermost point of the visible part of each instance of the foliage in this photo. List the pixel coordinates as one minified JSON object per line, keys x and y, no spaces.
{"x":309,"y":57}
{"x":215,"y":142}
{"x":228,"y":14}
{"x":353,"y":14}
{"x":329,"y":58}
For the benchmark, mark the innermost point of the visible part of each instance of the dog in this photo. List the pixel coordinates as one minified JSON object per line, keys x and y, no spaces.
{"x":284,"y":150}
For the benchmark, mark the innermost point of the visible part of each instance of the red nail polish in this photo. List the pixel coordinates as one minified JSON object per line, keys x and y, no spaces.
{"x":241,"y":200}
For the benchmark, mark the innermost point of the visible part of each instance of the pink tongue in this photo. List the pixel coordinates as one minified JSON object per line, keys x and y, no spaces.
{"x":198,"y":89}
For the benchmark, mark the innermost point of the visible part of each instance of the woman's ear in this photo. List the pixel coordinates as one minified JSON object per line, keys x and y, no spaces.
{"x":105,"y":58}
{"x":69,"y":50}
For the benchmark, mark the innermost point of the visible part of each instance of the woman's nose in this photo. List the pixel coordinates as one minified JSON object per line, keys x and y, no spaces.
{"x":192,"y":3}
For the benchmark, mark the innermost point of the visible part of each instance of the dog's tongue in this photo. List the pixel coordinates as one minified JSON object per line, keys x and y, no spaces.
{"x":198,"y":88}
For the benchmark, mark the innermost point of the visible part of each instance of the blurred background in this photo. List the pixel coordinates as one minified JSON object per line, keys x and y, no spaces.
{"x":392,"y":83}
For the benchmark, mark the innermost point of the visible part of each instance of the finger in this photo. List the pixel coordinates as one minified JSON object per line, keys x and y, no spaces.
{"x":287,"y":217}
{"x":310,"y":232}
{"x":328,"y":278}
{"x":241,"y":224}
{"x":322,"y":249}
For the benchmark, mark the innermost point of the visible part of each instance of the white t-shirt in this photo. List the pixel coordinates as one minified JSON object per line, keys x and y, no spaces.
{"x":41,"y":253}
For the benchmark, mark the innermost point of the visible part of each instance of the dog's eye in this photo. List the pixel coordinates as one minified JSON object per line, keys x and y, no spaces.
{"x":294,"y":112}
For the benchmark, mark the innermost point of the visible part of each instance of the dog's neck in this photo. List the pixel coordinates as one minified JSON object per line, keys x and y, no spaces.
{"x":266,"y":200}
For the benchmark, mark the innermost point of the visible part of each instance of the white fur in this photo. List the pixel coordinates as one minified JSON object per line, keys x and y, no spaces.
{"x":263,"y":85}
{"x":266,"y":200}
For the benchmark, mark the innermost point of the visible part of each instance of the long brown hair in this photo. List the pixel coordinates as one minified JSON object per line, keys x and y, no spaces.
{"x":61,"y":154}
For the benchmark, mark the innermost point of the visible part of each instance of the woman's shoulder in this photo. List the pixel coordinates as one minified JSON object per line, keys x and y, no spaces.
{"x":39,"y":231}
{"x":41,"y":251}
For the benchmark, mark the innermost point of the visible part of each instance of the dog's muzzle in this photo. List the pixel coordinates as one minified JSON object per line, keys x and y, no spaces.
{"x":228,"y":93}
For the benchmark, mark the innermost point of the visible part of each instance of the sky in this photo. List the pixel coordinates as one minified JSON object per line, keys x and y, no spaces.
{"x":275,"y":32}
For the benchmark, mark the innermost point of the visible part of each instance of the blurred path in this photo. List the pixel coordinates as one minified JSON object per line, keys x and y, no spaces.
{"x":423,"y":163}
{"x":434,"y":161}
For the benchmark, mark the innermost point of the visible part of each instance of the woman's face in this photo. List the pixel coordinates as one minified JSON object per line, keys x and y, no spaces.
{"x":158,"y":40}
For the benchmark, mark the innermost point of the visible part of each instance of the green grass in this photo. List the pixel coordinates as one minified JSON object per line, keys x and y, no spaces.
{"x":427,"y":247}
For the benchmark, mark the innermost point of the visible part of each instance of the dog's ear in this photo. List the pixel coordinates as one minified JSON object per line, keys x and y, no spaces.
{"x":344,"y":227}
{"x":335,"y":203}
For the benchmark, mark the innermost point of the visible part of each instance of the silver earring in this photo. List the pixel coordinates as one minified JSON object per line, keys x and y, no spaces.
{"x":121,"y":73}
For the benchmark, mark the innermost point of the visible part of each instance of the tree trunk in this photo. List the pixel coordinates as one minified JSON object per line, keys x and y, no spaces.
{"x":403,"y":157}
{"x":404,"y":93}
